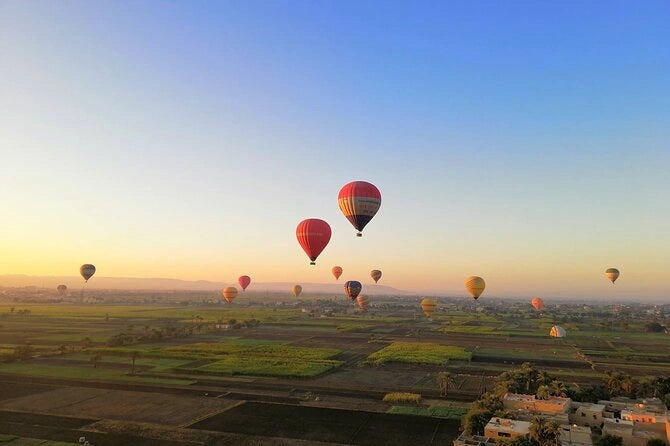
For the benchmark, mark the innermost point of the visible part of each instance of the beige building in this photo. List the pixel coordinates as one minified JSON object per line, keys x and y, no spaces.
{"x":521,"y":402}
{"x":586,"y":414}
{"x":638,"y":420}
{"x":504,"y":428}
{"x":473,"y":440}
{"x":573,"y":435}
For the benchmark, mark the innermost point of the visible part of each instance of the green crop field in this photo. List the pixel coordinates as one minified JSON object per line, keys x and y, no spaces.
{"x":418,"y":353}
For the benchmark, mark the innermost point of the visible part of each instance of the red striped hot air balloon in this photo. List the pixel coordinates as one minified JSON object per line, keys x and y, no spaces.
{"x":229,"y":294}
{"x":359,"y":201}
{"x":537,"y":303}
{"x":337,"y":272}
{"x":313,"y":235}
{"x":363,"y":302}
{"x":612,"y":274}
{"x":244,"y":282}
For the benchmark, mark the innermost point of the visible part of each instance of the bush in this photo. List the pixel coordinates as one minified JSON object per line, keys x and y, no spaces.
{"x":402,"y":398}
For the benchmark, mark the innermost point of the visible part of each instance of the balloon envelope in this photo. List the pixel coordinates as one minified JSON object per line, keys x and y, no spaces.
{"x":87,"y":270}
{"x":337,"y":271}
{"x":297,"y":289}
{"x":376,"y":275}
{"x":428,"y":306}
{"x":352,"y":288}
{"x":62,"y":289}
{"x":612,"y":274}
{"x":244,"y":282}
{"x":475,"y":286}
{"x":363,"y":302}
{"x":229,"y":293}
{"x":537,"y":303}
{"x":359,"y":201}
{"x":313,"y":235}
{"x":557,"y":332}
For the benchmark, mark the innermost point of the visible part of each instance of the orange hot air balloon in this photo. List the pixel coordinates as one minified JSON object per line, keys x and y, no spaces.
{"x":297,"y":289}
{"x":363,"y":302}
{"x":229,"y":294}
{"x":87,"y":270}
{"x":475,"y":286}
{"x":428,"y":306}
{"x":313,"y":235}
{"x":337,"y":272}
{"x":359,"y":201}
{"x":61,"y":289}
{"x":376,"y":275}
{"x":537,"y":303}
{"x":612,"y":274}
{"x":244,"y":282}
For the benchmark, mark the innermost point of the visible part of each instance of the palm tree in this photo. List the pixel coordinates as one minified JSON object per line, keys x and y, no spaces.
{"x":445,"y":381}
{"x":543,"y":378}
{"x":529,"y":374}
{"x":537,"y":424}
{"x":557,"y":388}
{"x":543,"y":393}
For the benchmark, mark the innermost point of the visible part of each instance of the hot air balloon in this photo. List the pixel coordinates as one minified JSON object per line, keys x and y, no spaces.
{"x":537,"y":303}
{"x":612,"y":274}
{"x":475,"y":286}
{"x":87,"y":270}
{"x":337,"y":272}
{"x":428,"y":306}
{"x":61,"y":289}
{"x":363,"y":302}
{"x":297,"y":289}
{"x":229,"y":294}
{"x":352,"y":288}
{"x":376,"y":275}
{"x":557,"y":332}
{"x":244,"y":282}
{"x":359,"y":201}
{"x":313,"y":235}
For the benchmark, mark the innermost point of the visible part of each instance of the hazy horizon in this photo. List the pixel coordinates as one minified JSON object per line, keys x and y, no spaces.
{"x":522,"y":142}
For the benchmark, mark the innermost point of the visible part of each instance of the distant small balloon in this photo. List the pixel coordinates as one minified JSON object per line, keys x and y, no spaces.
{"x":475,"y":286}
{"x":537,"y":303}
{"x":61,"y":289}
{"x":428,"y":306}
{"x":244,"y":282}
{"x":87,"y":270}
{"x":376,"y":275}
{"x":337,"y":271}
{"x":557,"y":332}
{"x":229,"y":294}
{"x":612,"y":274}
{"x":352,"y":288}
{"x":363,"y":302}
{"x":297,"y":289}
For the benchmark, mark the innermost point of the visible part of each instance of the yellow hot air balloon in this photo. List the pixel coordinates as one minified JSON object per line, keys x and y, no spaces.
{"x":428,"y":306}
{"x":363,"y":302}
{"x":297,"y":289}
{"x":376,"y":275}
{"x":229,"y":294}
{"x":537,"y":303}
{"x":475,"y":286}
{"x":612,"y":274}
{"x":557,"y":332}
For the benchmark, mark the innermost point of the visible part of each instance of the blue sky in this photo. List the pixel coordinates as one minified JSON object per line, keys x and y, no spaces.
{"x":526,"y":142}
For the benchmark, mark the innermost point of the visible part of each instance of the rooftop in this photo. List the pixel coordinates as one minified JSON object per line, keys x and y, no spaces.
{"x":506,"y":424}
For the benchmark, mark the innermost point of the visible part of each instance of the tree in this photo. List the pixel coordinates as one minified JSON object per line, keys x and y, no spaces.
{"x":609,"y":440}
{"x":95,"y":358}
{"x":655,"y":442}
{"x":557,"y":388}
{"x":445,"y":381}
{"x":543,"y":393}
{"x":62,"y":349}
{"x":543,"y":378}
{"x":543,"y":432}
{"x":475,"y":420}
{"x":654,"y":327}
{"x":529,"y":374}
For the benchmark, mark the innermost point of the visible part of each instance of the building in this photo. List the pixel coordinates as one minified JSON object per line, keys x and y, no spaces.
{"x":586,"y":414}
{"x":473,"y":440}
{"x":573,"y":435}
{"x":530,"y":403}
{"x":504,"y":428}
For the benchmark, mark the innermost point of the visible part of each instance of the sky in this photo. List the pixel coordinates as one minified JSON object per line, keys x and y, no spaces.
{"x":525,"y":142}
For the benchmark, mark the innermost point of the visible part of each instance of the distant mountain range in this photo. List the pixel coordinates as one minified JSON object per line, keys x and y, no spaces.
{"x":137,"y":283}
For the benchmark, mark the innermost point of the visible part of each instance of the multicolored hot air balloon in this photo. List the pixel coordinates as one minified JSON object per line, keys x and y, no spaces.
{"x":612,"y":274}
{"x":363,"y":302}
{"x":557,"y":332}
{"x":337,"y":272}
{"x":297,"y":289}
{"x":428,"y":306}
{"x":87,"y":270}
{"x":352,"y":288}
{"x":61,"y":289}
{"x":229,"y":294}
{"x":244,"y":282}
{"x":537,"y":303}
{"x":376,"y":275}
{"x":475,"y":286}
{"x":313,"y":235}
{"x":359,"y":201}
